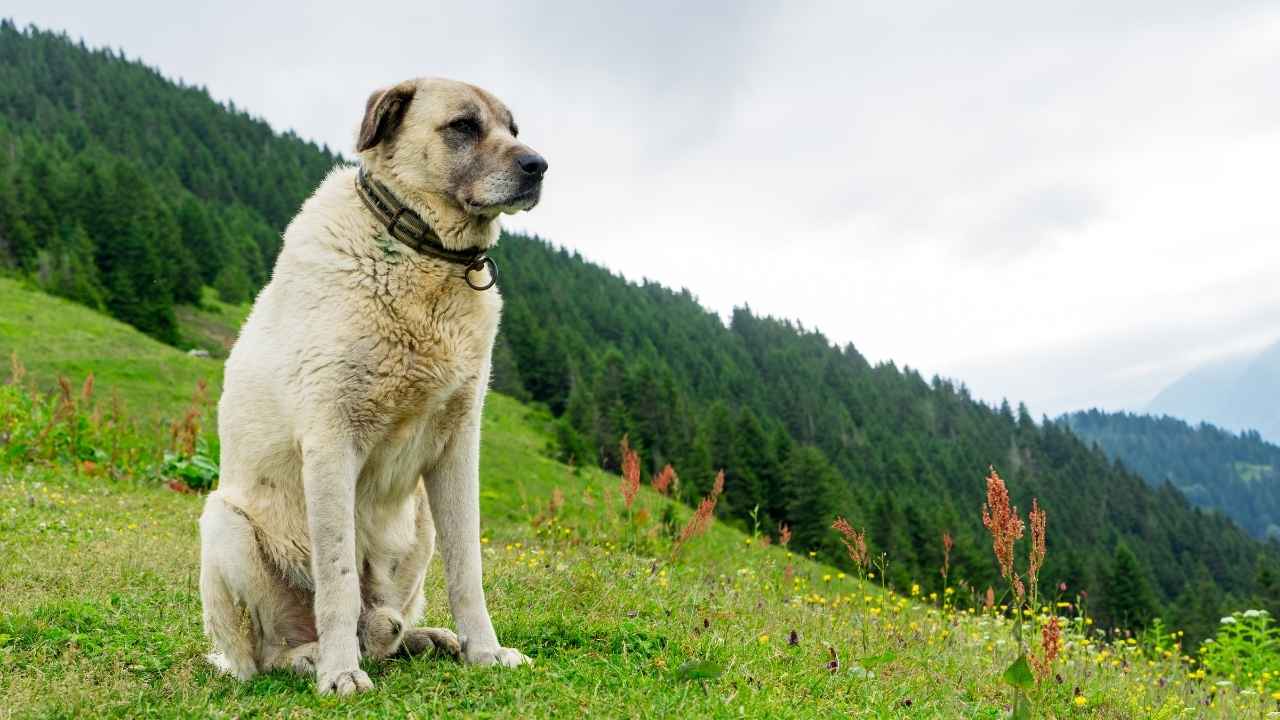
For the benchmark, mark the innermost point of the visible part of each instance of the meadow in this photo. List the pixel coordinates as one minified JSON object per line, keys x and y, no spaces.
{"x":630,"y":604}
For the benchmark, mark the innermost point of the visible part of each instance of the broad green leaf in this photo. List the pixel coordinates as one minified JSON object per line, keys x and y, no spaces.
{"x":875,"y":661}
{"x":1019,"y":674}
{"x":699,"y":670}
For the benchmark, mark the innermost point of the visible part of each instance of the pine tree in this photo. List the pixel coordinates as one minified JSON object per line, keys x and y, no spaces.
{"x":753,"y":468}
{"x":809,"y":483}
{"x":1130,"y":601}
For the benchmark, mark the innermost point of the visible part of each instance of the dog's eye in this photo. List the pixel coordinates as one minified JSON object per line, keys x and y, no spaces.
{"x":466,"y":126}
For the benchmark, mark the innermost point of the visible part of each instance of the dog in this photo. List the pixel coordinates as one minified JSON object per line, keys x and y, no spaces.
{"x":350,"y":412}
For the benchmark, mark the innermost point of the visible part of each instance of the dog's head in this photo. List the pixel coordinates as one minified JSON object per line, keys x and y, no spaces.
{"x":453,"y":144}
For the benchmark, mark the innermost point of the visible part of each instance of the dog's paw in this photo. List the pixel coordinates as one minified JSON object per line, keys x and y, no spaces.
{"x":302,"y":659}
{"x":486,"y":656}
{"x":343,"y":682}
{"x":421,"y":641}
{"x":380,"y":632}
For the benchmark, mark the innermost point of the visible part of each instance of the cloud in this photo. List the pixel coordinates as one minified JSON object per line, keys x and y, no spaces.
{"x":1037,"y":217}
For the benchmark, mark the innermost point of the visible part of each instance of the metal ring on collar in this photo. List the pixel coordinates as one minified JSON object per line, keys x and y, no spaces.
{"x":480,"y":264}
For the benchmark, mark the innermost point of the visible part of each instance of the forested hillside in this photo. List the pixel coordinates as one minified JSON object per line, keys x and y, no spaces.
{"x":1238,"y":475}
{"x":806,"y":430}
{"x":124,"y":191}
{"x":127,"y":192}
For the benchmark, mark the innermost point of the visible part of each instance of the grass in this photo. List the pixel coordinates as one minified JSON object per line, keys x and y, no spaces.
{"x":56,"y":337}
{"x":100,"y":614}
{"x":213,"y":325}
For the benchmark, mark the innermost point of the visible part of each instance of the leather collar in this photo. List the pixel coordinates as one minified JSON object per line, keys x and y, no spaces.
{"x":407,"y":226}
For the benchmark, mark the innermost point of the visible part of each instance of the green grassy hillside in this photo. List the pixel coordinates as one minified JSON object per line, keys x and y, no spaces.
{"x":54,"y":337}
{"x":100,"y":611}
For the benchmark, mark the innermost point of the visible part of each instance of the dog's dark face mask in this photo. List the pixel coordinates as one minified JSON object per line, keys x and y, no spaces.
{"x":454,"y":141}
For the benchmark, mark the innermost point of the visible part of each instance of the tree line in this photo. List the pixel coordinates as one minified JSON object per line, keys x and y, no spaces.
{"x":1236,"y":474}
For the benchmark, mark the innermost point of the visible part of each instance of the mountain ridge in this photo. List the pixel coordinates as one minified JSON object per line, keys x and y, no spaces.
{"x":1240,"y":393}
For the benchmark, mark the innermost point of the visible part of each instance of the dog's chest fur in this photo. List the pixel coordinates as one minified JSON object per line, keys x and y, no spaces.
{"x":425,"y":356}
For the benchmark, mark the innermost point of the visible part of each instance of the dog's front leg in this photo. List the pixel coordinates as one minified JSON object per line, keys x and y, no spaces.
{"x":453,"y":491}
{"x":329,"y":473}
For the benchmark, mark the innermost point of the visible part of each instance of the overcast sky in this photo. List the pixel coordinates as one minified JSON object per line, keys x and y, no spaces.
{"x":1069,"y":204}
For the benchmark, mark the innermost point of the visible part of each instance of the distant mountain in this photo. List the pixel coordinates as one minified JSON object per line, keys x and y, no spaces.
{"x":1238,"y":394}
{"x":1237,"y":475}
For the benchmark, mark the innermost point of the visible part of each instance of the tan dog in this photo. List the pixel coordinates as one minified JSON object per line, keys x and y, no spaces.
{"x":350,"y":414}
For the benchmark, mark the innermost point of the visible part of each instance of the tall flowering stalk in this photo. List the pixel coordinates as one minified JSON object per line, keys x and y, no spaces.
{"x":662,"y":481}
{"x":1036,"y":559}
{"x":702,"y":517}
{"x":947,"y":545}
{"x":630,"y":483}
{"x":855,"y":544}
{"x":1050,"y":646}
{"x":1001,"y":519}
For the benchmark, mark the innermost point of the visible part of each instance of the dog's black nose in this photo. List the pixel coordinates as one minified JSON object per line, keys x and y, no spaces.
{"x":532,"y":164}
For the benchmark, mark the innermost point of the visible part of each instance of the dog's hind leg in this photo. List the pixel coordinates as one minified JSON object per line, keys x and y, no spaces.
{"x":226,"y":540}
{"x":252,"y":616}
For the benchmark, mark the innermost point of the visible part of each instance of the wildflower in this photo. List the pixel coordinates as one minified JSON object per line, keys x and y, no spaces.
{"x":662,"y":481}
{"x":855,"y":542}
{"x":990,"y":600}
{"x":703,"y":516}
{"x":1080,"y":701}
{"x":1050,"y":645}
{"x":630,"y":484}
{"x":1002,"y":521}
{"x":764,"y":639}
{"x":784,"y":534}
{"x":1038,"y":519}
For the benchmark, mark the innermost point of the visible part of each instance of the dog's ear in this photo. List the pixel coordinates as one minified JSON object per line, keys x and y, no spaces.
{"x":383,"y":113}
